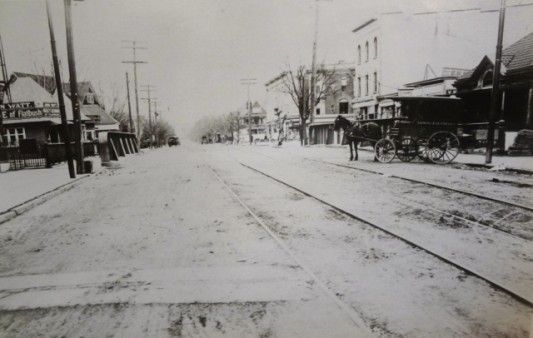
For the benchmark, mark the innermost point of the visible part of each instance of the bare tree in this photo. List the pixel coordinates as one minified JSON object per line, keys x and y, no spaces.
{"x":296,"y":83}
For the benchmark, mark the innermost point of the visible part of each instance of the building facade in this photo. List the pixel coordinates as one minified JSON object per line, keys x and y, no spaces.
{"x":394,"y":49}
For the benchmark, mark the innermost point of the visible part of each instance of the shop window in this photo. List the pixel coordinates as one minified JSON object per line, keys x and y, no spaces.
{"x":12,"y":136}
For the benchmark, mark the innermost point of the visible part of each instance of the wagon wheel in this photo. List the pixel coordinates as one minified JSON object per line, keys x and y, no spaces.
{"x":442,"y":147}
{"x":385,"y":150}
{"x":407,"y":149}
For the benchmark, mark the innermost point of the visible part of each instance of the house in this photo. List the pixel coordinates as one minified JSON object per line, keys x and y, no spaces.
{"x":33,"y":114}
{"x":516,"y":102}
{"x":256,"y":114}
{"x":91,"y":105}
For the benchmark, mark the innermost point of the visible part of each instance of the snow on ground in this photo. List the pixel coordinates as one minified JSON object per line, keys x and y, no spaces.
{"x":509,"y":263}
{"x":159,"y":247}
{"x":396,"y":289}
{"x":18,"y":186}
{"x":507,"y":187}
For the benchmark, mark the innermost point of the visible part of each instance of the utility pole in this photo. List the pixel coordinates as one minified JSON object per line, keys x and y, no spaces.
{"x":134,"y":48}
{"x":6,"y":82}
{"x":149,"y":89}
{"x":74,"y":88}
{"x":495,"y":94}
{"x":313,"y":72}
{"x":313,"y":66}
{"x":248,"y":83}
{"x":5,"y":75}
{"x":156,"y":130}
{"x":60,"y":97}
{"x":131,"y":125}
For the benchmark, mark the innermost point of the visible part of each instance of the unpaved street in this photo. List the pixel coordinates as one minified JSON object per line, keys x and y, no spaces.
{"x":262,"y":241}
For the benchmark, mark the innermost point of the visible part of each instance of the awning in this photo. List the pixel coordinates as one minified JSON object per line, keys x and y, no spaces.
{"x":426,"y":98}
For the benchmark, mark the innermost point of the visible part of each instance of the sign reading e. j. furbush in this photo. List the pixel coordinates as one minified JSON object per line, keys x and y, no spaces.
{"x":28,"y":110}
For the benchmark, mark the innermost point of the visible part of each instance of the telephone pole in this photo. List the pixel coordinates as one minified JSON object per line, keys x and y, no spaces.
{"x":134,"y":61}
{"x":495,"y":94}
{"x":313,"y":65}
{"x":60,"y":97}
{"x":74,"y":88}
{"x":248,"y":83}
{"x":131,"y":125}
{"x":5,"y":75}
{"x":149,"y":89}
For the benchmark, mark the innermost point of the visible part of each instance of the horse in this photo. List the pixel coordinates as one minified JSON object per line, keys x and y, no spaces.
{"x":356,"y":133}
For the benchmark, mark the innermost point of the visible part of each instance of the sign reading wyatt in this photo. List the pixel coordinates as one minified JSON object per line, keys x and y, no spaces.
{"x":28,"y":110}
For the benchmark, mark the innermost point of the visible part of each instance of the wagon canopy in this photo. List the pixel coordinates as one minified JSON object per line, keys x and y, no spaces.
{"x":432,"y":108}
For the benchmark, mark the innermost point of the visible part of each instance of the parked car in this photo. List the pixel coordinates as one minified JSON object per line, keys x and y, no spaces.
{"x":173,"y":141}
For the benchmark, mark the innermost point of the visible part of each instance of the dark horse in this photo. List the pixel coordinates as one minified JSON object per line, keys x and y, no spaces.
{"x":355,"y":133}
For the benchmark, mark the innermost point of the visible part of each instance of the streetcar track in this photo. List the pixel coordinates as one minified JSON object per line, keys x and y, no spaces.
{"x":434,"y":185}
{"x":347,"y":309}
{"x":458,"y":266}
{"x":495,"y":226}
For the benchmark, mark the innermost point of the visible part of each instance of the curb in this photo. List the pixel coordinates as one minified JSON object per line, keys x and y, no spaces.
{"x":468,"y":164}
{"x":21,"y":208}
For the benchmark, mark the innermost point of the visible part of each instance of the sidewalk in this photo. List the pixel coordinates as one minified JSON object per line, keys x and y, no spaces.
{"x":517,"y":163}
{"x":19,"y":186}
{"x":522,"y":164}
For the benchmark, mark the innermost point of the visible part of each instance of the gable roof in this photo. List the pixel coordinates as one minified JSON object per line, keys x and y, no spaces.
{"x":25,"y":89}
{"x":49,"y":84}
{"x":520,"y":54}
{"x":97,"y":114}
{"x":471,"y":77}
{"x":46,"y":81}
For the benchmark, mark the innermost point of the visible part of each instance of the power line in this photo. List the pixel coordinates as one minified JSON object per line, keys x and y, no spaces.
{"x":149,"y":89}
{"x":134,"y":61}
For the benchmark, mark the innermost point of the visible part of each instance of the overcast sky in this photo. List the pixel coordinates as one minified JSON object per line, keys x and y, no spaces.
{"x":198,"y":50}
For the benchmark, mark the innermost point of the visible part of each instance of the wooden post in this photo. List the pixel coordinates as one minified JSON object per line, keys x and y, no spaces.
{"x":74,"y":88}
{"x":59,"y":87}
{"x":529,"y":118}
{"x":495,"y":94}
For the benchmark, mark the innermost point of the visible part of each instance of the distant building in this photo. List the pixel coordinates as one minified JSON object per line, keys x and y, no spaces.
{"x":393,"y":49}
{"x":337,"y":100}
{"x":254,"y":113}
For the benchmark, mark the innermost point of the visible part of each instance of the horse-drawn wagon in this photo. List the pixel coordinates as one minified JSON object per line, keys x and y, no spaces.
{"x":427,"y":128}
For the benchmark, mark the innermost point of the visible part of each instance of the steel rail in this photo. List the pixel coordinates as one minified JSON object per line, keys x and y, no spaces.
{"x":496,"y":227}
{"x":443,"y":187}
{"x":348,"y":310}
{"x":465,"y":270}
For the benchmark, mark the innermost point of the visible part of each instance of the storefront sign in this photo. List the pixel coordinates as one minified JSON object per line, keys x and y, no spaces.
{"x":27,"y":110}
